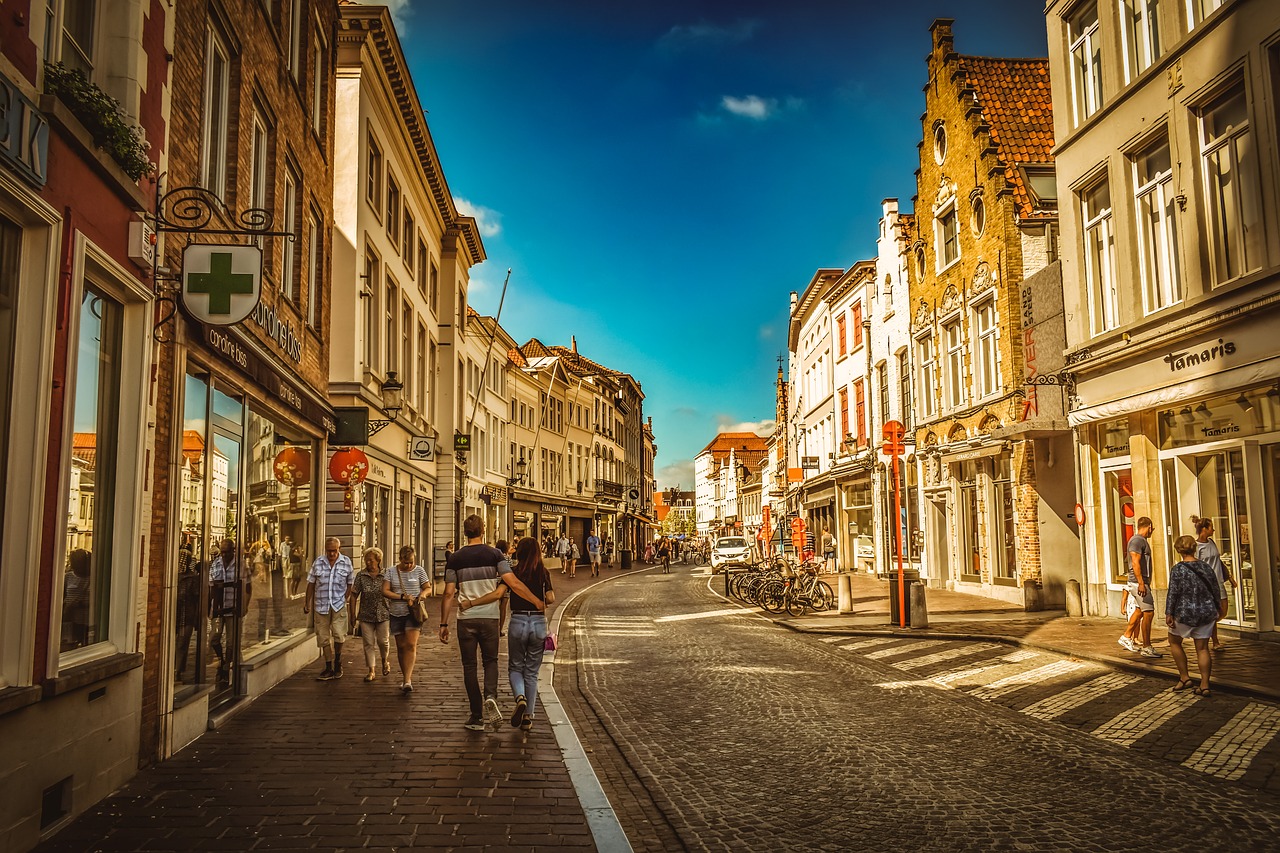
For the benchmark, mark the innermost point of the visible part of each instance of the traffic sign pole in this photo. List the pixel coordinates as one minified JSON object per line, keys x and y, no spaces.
{"x":894,"y":433}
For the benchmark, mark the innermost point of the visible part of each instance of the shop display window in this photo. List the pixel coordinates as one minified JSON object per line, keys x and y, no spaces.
{"x":91,"y":480}
{"x":1234,"y":415}
{"x":1118,"y":506}
{"x":280,"y":468}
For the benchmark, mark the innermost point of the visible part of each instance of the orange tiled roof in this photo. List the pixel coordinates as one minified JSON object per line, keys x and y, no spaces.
{"x":738,"y":442}
{"x":1015,"y":101}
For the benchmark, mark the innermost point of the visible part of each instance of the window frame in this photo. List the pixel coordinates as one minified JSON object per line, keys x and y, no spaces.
{"x":394,"y":203}
{"x":1086,"y":73}
{"x":290,"y":281}
{"x":135,"y":300}
{"x":1102,"y":295}
{"x":1140,"y":37}
{"x":1248,"y":179}
{"x":954,"y":397}
{"x":315,"y":267}
{"x":986,"y":342}
{"x":1162,"y":249}
{"x":927,"y":349}
{"x":948,"y":212}
{"x":215,"y":141}
{"x":375,"y":181}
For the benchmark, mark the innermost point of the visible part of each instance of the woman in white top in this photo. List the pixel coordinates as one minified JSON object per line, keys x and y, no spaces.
{"x":1207,"y":552}
{"x":406,"y":583}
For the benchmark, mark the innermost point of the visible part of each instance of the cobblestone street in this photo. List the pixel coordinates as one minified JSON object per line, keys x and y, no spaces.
{"x":712,"y":729}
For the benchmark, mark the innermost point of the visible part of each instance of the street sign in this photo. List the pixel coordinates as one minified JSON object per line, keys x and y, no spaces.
{"x":809,"y":463}
{"x":797,"y":525}
{"x":1079,"y":513}
{"x":461,"y":442}
{"x":893,"y":448}
{"x":221,"y":284}
{"x":894,"y":431}
{"x":422,"y":448}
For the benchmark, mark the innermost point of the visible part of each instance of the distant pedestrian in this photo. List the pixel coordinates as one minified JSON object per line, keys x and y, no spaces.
{"x":828,"y":551}
{"x":1194,"y":603}
{"x":448,"y":550}
{"x":527,"y":643}
{"x":562,"y":551}
{"x":574,"y":554}
{"x":1207,"y":552}
{"x":1137,"y":636}
{"x":471,"y":582}
{"x":649,"y":552}
{"x":664,"y":554}
{"x":405,"y":584}
{"x":594,"y":549}
{"x":372,"y":614}
{"x":608,"y":552}
{"x":328,"y":594}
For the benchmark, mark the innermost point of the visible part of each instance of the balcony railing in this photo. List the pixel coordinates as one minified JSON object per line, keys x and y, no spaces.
{"x":608,"y":489}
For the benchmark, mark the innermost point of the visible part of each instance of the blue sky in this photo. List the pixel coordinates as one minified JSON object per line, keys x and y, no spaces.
{"x":660,"y":175}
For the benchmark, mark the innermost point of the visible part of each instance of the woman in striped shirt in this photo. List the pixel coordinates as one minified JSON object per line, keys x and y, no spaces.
{"x":406,"y":583}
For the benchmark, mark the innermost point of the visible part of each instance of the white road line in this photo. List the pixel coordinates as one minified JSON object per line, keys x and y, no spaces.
{"x":1068,"y":700}
{"x":1130,"y":726}
{"x":998,"y":665}
{"x":948,"y":654}
{"x":868,"y":643}
{"x":1022,"y":679}
{"x":903,"y":650}
{"x":1231,"y":749}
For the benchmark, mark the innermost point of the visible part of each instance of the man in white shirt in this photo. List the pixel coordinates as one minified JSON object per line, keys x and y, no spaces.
{"x":329,"y":593}
{"x":593,"y":553}
{"x":562,"y":551}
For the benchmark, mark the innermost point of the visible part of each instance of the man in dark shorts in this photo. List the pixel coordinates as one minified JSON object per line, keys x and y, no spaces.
{"x":471,"y":573}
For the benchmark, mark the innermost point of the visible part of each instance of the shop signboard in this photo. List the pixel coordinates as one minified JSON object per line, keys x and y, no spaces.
{"x":221,"y":284}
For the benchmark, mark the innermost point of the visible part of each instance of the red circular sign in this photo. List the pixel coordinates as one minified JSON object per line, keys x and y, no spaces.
{"x":1079,"y":513}
{"x":797,"y":525}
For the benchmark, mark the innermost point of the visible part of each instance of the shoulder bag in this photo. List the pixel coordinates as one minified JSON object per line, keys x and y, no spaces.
{"x":418,"y":606}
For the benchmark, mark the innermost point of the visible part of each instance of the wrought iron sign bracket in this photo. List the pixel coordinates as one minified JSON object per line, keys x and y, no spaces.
{"x":192,"y":210}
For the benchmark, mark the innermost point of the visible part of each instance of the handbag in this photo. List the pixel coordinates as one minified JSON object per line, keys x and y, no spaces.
{"x":549,"y":644}
{"x":417,"y":607}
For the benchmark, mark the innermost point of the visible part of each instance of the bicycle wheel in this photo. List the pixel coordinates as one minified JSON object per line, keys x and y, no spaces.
{"x":821,"y":596}
{"x":796,"y":603}
{"x":773,"y":597}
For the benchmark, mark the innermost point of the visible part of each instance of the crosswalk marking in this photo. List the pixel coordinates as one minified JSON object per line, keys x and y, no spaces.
{"x":1228,"y":753}
{"x":1016,"y":682}
{"x":1000,"y":664}
{"x":1068,"y":700}
{"x":947,"y":654}
{"x":1231,"y":749}
{"x":902,"y":650}
{"x":869,"y":642}
{"x":1130,"y":726}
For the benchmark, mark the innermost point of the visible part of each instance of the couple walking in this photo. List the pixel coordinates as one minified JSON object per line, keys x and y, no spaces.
{"x":477,"y":577}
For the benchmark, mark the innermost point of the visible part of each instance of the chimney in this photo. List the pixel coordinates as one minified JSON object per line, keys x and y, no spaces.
{"x":573,"y":343}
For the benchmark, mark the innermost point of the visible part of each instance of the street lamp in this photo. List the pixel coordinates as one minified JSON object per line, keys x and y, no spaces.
{"x":520,"y":467}
{"x":392,"y":402}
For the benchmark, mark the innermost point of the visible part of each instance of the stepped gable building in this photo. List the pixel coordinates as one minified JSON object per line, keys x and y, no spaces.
{"x":988,"y":445}
{"x":78,"y":630}
{"x":1167,"y":169}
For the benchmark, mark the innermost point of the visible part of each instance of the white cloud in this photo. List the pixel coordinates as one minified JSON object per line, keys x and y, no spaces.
{"x":694,"y":36}
{"x":679,"y":473}
{"x":488,"y":220}
{"x":752,"y":106}
{"x":763,"y":428}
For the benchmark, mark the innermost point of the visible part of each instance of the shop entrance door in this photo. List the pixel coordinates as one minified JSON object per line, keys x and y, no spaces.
{"x":1212,"y":486}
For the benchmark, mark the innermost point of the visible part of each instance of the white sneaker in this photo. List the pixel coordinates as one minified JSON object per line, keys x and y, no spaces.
{"x":1149,"y":652}
{"x":1127,"y":644}
{"x":492,"y":715}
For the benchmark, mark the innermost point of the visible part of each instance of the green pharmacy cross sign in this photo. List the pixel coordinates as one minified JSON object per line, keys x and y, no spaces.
{"x":221,"y":284}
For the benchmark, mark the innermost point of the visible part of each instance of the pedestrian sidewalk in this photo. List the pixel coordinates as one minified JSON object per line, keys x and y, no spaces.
{"x":1245,"y":665}
{"x":344,"y":765}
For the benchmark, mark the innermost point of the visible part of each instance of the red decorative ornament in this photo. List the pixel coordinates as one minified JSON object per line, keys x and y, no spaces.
{"x":293,"y":468}
{"x":348,"y":467}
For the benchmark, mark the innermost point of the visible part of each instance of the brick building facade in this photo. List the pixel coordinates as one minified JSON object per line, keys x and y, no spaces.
{"x":986,"y":440}
{"x":242,"y":417}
